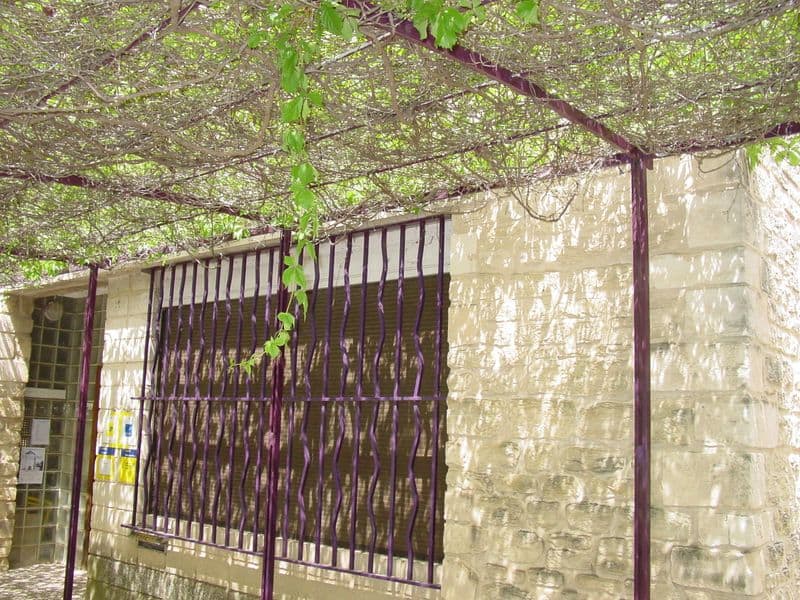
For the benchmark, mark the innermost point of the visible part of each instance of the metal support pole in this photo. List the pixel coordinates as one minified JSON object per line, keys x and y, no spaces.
{"x":275,"y":412}
{"x":80,"y":431}
{"x":641,"y":381}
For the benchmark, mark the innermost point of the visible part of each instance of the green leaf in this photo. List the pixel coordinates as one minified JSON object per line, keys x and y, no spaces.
{"x":294,"y":276}
{"x":420,"y":22}
{"x":349,"y":28}
{"x":528,"y":11}
{"x":272,"y":348}
{"x":293,"y":80}
{"x":301,"y":297}
{"x":255,"y":38}
{"x":424,"y":12}
{"x":330,"y":19}
{"x":304,"y":173}
{"x":305,"y":199}
{"x":448,"y":25}
{"x":292,"y":111}
{"x":287,"y":320}
{"x":282,"y":338}
{"x":315,"y":98}
{"x":294,"y":141}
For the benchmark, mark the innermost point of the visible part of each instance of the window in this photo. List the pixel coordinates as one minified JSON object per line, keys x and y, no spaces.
{"x":361,"y":475}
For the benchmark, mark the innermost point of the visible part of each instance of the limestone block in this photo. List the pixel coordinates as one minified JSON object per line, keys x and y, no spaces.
{"x":673,"y":420}
{"x":522,"y":547}
{"x":719,"y":570}
{"x":545,"y":578}
{"x":744,"y":531}
{"x":717,"y":217}
{"x":595,"y":461}
{"x":459,"y":580}
{"x":738,"y":420}
{"x":543,"y":514}
{"x":561,"y":488}
{"x":723,"y":311}
{"x":592,"y":586}
{"x":606,"y":421}
{"x":569,"y":551}
{"x":614,"y":557}
{"x":707,"y":268}
{"x":590,"y":517}
{"x":670,"y":525}
{"x":718,"y":479}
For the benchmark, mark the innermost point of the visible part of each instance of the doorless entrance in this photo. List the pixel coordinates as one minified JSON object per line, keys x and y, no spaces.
{"x":48,"y":431}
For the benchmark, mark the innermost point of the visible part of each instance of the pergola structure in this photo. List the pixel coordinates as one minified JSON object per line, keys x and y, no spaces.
{"x":132,"y":127}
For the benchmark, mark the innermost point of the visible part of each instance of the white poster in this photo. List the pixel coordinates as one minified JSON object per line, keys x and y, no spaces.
{"x":40,"y":432}
{"x":31,"y":465}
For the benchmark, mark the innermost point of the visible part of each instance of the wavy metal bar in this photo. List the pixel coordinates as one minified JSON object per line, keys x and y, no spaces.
{"x":287,"y":483}
{"x":187,"y":376}
{"x":221,"y":413}
{"x":323,"y":408}
{"x":235,"y":376}
{"x":412,"y":480}
{"x":312,"y":346}
{"x":158,"y":431}
{"x":196,"y":408}
{"x":437,"y":392}
{"x":398,"y":357}
{"x":263,"y":399}
{"x":151,"y":416}
{"x":373,"y":438}
{"x":142,"y":406}
{"x":248,"y":405}
{"x":337,"y":453}
{"x":359,"y":395}
{"x":173,"y":406}
{"x":209,"y":407}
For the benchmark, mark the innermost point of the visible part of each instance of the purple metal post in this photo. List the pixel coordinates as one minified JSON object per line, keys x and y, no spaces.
{"x":641,"y":382}
{"x":268,"y":565}
{"x":80,"y":431}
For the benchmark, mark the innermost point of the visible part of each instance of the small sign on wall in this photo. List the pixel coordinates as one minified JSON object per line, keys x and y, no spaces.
{"x":40,"y":432}
{"x":127,"y":466}
{"x":105,"y":467}
{"x":31,"y":465}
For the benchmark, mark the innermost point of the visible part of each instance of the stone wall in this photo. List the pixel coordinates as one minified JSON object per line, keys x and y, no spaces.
{"x":539,"y":499}
{"x":15,"y":349}
{"x":776,"y":200}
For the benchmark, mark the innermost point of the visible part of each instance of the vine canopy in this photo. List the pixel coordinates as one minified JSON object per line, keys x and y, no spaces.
{"x":128,"y":126}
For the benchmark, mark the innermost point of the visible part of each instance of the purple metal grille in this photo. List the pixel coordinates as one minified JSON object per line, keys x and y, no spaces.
{"x":358,"y":483}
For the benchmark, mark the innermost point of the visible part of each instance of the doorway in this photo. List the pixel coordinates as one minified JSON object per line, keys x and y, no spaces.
{"x":47,"y":445}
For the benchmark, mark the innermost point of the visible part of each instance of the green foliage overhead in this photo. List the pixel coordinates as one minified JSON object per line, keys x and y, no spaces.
{"x":128,"y":129}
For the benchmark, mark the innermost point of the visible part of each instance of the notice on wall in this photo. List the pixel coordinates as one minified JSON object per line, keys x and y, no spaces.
{"x":127,"y":467}
{"x":31,"y":465}
{"x":105,"y":464}
{"x":117,"y":454}
{"x":125,"y":429}
{"x":40,"y":432}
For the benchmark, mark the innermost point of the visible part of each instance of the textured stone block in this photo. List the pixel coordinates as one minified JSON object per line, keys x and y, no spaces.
{"x":718,"y":479}
{"x":718,"y":570}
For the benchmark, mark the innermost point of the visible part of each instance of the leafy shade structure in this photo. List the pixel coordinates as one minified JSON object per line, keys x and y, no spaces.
{"x":128,"y":128}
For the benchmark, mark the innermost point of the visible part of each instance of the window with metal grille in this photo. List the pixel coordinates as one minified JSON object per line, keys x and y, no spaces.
{"x":361,"y":475}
